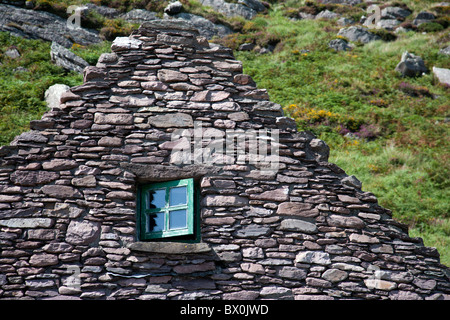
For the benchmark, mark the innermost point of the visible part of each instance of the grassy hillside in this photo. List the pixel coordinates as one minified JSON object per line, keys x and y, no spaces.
{"x":390,"y":132}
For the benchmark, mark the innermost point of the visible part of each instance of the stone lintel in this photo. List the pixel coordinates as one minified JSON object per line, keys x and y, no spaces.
{"x":170,"y":247}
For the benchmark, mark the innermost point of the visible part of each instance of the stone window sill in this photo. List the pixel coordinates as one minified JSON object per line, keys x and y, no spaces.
{"x":170,"y":247}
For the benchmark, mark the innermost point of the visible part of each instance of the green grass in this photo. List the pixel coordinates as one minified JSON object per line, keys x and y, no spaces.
{"x":404,"y":159}
{"x":388,"y":131}
{"x":23,"y":81}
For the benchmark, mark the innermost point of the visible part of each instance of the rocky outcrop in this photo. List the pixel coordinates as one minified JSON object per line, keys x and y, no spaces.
{"x":43,"y":25}
{"x":205,"y":27}
{"x":67,"y":59}
{"x":245,"y":8}
{"x":301,"y":230}
{"x":358,"y":34}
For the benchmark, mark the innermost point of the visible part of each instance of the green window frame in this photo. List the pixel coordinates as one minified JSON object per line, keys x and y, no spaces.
{"x":163,"y":213}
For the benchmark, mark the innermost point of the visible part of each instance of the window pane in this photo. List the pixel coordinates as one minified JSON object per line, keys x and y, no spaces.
{"x":177,"y":196}
{"x":156,"y":222}
{"x":177,"y":219}
{"x":157,"y":198}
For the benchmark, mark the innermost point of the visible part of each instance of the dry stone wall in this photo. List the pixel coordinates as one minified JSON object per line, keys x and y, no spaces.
{"x":304,"y":231}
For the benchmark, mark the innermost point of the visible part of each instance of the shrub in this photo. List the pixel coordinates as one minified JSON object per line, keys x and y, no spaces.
{"x":414,"y":91}
{"x":384,"y":34}
{"x":430,"y":27}
{"x":369,"y":132}
{"x":116,"y":28}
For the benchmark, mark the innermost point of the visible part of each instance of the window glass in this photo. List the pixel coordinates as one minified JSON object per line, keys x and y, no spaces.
{"x":157,"y":198}
{"x":166,"y":210}
{"x":177,"y":219}
{"x":156,"y":222}
{"x":177,"y":196}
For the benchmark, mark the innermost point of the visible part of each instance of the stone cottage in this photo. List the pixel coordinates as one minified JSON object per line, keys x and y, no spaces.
{"x":169,"y":175}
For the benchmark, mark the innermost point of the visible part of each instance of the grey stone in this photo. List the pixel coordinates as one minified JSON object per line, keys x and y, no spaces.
{"x":356,"y":33}
{"x":139,"y":16}
{"x":313,"y":257}
{"x":66,"y":59}
{"x":352,"y":181}
{"x":27,"y":223}
{"x":292,"y":273}
{"x":170,"y":247}
{"x":404,"y":295}
{"x":298,"y":225}
{"x":280,"y":194}
{"x":394,"y":13}
{"x":248,"y":9}
{"x":327,"y":15}
{"x":167,"y":75}
{"x":58,"y":191}
{"x":43,"y":260}
{"x":82,"y":232}
{"x":339,"y":45}
{"x":345,"y":222}
{"x":345,"y":21}
{"x":59,"y":164}
{"x":246,"y":47}
{"x":173,"y":8}
{"x":12,"y":53}
{"x":30,"y":136}
{"x":125,"y":43}
{"x":423,"y":17}
{"x":53,"y":95}
{"x":252,"y":231}
{"x":171,"y":120}
{"x":380,"y":284}
{"x":274,"y":292}
{"x":442,"y":75}
{"x":33,"y":178}
{"x":321,"y":149}
{"x":411,"y":65}
{"x":335,"y":275}
{"x":299,"y":209}
{"x":388,"y":24}
{"x":34,"y":24}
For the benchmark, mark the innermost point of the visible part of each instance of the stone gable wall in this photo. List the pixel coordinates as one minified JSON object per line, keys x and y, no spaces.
{"x":304,"y":231}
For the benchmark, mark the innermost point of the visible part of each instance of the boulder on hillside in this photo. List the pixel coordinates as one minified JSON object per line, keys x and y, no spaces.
{"x":139,"y":16}
{"x":339,"y":45}
{"x":423,"y":17}
{"x":12,"y":53}
{"x":411,"y":65}
{"x":205,"y":27}
{"x":394,"y":13}
{"x":66,"y":59}
{"x":357,"y":33}
{"x":327,"y":15}
{"x":442,"y":75}
{"x":173,"y":8}
{"x":245,"y":8}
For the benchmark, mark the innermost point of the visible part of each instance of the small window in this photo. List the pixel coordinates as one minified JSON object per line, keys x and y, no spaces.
{"x":167,"y":210}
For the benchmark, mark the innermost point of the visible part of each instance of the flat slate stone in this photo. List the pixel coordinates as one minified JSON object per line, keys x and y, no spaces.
{"x":170,"y":247}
